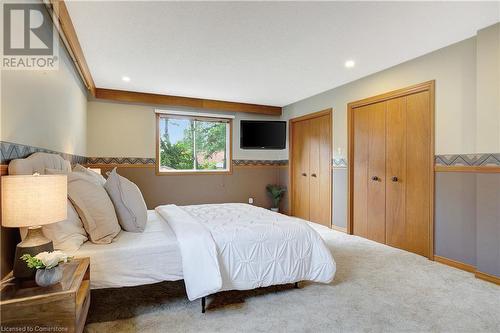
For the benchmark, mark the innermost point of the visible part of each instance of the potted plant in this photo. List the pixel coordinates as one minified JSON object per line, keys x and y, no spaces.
{"x":276,"y":192}
{"x":48,"y":268}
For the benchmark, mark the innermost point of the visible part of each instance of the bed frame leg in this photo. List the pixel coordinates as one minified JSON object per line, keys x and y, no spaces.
{"x":296,"y":285}
{"x":203,"y":301}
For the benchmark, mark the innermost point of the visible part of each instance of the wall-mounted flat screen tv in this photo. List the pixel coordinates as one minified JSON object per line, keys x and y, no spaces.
{"x":258,"y":134}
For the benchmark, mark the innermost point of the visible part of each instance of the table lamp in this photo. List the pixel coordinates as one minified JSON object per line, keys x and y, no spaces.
{"x":32,"y":201}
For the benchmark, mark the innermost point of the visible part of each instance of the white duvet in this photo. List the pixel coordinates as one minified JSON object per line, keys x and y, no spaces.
{"x":240,"y":247}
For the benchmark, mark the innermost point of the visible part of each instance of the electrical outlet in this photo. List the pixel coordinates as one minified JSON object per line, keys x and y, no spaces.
{"x":250,"y":201}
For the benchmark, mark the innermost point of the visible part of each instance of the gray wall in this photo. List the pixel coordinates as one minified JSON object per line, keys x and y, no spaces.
{"x":467,"y":220}
{"x":488,"y":223}
{"x":455,"y":216}
{"x":339,"y":216}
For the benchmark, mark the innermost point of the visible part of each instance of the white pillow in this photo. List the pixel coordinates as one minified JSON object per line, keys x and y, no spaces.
{"x":67,"y":235}
{"x":128,"y":201}
{"x":94,"y":207}
{"x":98,"y":177}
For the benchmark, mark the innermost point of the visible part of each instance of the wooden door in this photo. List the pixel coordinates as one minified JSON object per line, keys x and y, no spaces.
{"x":310,"y":167}
{"x":392,"y":135}
{"x":369,"y":171}
{"x":320,"y":171}
{"x":396,"y":167}
{"x":300,"y":167}
{"x":418,"y":174}
{"x":376,"y":173}
{"x":361,"y":128}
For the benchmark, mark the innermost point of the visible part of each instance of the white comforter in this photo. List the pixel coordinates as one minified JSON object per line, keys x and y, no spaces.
{"x":240,"y":247}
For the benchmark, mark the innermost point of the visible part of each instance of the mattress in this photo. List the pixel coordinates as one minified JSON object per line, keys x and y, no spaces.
{"x":135,"y":258}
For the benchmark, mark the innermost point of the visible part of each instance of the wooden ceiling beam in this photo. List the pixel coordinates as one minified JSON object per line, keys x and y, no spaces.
{"x":68,"y":35}
{"x":198,"y":103}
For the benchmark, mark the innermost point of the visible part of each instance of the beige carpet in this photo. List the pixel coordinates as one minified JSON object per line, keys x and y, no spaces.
{"x":377,"y":289}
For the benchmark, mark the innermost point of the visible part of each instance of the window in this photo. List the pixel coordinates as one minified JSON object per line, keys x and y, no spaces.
{"x":193,"y":144}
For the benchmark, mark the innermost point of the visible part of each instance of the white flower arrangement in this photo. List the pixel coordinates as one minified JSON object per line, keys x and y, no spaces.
{"x":46,"y":260}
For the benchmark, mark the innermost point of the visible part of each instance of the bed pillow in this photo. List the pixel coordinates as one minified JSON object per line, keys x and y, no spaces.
{"x":49,"y":171}
{"x":67,"y":235}
{"x":94,"y":207}
{"x":98,"y":177}
{"x":128,"y":201}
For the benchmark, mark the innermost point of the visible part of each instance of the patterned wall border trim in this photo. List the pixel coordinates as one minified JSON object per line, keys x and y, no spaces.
{"x":120,"y":160}
{"x":472,"y":160}
{"x":339,"y":163}
{"x":260,"y":162}
{"x":139,"y":161}
{"x":10,"y":151}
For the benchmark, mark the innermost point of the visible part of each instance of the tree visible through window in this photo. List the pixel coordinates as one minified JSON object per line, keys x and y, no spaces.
{"x":193,"y":144}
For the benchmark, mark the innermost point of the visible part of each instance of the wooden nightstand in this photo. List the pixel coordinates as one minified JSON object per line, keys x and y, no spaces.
{"x":59,"y":308}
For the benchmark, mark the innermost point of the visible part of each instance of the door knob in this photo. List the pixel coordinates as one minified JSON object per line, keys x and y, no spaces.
{"x":304,"y":174}
{"x":313,"y":175}
{"x":375,"y":178}
{"x":394,"y":179}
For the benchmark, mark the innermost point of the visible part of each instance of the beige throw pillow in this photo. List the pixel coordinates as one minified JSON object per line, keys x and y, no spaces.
{"x":94,"y":207}
{"x":95,"y":175}
{"x":128,"y":201}
{"x":67,"y":235}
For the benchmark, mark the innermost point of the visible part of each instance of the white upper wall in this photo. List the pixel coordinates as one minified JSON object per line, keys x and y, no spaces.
{"x":46,"y":109}
{"x":129,"y":130}
{"x":488,"y":90}
{"x":453,"y":68}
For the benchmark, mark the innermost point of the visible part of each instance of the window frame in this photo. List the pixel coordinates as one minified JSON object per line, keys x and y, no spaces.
{"x":228,"y":171}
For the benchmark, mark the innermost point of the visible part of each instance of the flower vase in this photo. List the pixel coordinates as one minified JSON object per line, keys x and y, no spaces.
{"x":48,"y":277}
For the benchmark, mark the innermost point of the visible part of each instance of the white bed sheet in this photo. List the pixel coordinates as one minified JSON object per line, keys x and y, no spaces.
{"x":135,"y":258}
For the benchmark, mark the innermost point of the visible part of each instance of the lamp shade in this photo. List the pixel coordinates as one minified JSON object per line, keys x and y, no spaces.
{"x":33,"y":200}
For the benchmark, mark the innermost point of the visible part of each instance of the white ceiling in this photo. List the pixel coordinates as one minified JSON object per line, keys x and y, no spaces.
{"x":262,"y":52}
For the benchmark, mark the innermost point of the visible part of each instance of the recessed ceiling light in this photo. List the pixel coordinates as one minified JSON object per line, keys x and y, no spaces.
{"x":349,"y":64}
{"x":125,"y":78}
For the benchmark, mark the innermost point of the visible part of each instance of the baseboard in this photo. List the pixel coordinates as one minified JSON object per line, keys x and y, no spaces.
{"x":468,"y":268}
{"x":487,"y":277}
{"x":456,"y":264}
{"x":341,"y":229}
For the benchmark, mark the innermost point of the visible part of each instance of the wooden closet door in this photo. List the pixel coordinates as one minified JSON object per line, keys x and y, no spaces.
{"x":361,"y":128}
{"x":408,"y":175}
{"x":369,"y":172}
{"x":376,"y":173}
{"x":320,"y":170}
{"x":300,"y":153}
{"x":392,"y":139}
{"x":396,"y":167}
{"x":418,"y":173}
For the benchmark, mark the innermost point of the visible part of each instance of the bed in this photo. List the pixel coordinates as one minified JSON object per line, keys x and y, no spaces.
{"x":134,"y":259}
{"x":212,"y":247}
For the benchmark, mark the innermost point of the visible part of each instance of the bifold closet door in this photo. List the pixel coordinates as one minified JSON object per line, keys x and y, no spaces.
{"x":391,"y":173}
{"x":396,"y":173}
{"x":369,"y":172}
{"x":408,"y":174}
{"x":320,"y":170}
{"x":300,"y":153}
{"x":418,"y":173}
